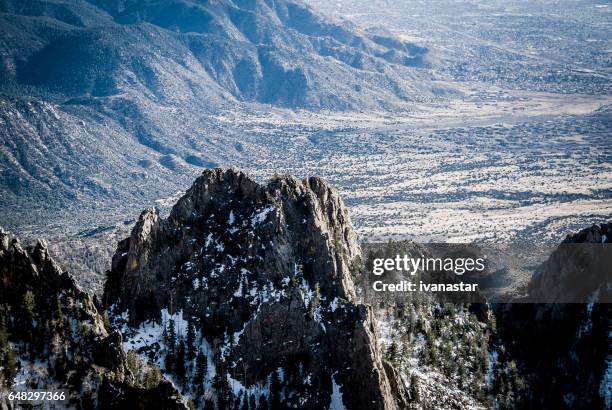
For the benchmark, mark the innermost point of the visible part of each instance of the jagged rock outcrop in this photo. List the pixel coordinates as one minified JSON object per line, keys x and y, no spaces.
{"x":265,"y":273}
{"x":52,"y":334}
{"x":561,"y":348}
{"x":601,"y":233}
{"x":578,"y":271}
{"x":245,"y":295}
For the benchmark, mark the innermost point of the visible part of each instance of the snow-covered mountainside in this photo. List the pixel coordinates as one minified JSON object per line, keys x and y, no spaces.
{"x":52,"y":336}
{"x":250,"y":292}
{"x":512,"y":355}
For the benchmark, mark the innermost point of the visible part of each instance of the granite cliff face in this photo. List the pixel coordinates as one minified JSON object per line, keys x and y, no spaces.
{"x":263,"y":275}
{"x":53,"y":336}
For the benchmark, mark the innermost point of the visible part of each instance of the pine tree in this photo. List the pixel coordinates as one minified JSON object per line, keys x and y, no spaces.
{"x":245,"y":401}
{"x":431,"y":352}
{"x":462,"y":376}
{"x":45,"y":337}
{"x":60,"y":324}
{"x":252,"y":402}
{"x":133,"y":363}
{"x":171,"y":336}
{"x":209,"y":405}
{"x":180,"y":370}
{"x":191,"y":351}
{"x":222,"y":388}
{"x":315,"y":302}
{"x":10,"y":367}
{"x":28,"y":306}
{"x":78,"y":375}
{"x":414,"y":389}
{"x":28,"y":314}
{"x":222,"y":400}
{"x":392,"y":352}
{"x":3,"y":331}
{"x":477,"y":383}
{"x":153,"y":377}
{"x":275,"y":390}
{"x":60,"y":366}
{"x":263,"y":403}
{"x":201,"y":369}
{"x":170,"y":360}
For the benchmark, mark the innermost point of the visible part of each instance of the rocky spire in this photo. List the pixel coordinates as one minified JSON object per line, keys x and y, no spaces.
{"x":272,"y":265}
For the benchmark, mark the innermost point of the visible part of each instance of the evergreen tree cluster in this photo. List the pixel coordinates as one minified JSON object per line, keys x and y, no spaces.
{"x":453,"y":343}
{"x":38,"y":330}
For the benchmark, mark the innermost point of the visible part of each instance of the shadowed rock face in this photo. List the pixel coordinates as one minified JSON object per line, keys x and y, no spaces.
{"x":270,"y":264}
{"x":32,"y":270}
{"x":63,"y":328}
{"x":566,"y":343}
{"x":578,"y":271}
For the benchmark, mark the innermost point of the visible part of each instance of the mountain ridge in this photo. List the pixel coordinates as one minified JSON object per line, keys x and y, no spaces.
{"x":239,"y":45}
{"x":248,"y":293}
{"x":113,"y":95}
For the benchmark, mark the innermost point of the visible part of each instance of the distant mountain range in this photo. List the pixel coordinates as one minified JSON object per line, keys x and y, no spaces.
{"x":100,"y":99}
{"x":178,"y":51}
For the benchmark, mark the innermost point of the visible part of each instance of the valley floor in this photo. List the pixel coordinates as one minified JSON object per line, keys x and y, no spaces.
{"x":520,"y":166}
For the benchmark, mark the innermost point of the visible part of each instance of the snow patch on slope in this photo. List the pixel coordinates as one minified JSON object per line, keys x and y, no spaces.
{"x":336,"y":398}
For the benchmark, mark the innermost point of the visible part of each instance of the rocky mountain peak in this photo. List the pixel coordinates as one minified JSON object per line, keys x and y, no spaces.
{"x":31,"y":268}
{"x":578,"y":270}
{"x":264,"y":273}
{"x":597,"y":233}
{"x":276,"y":229}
